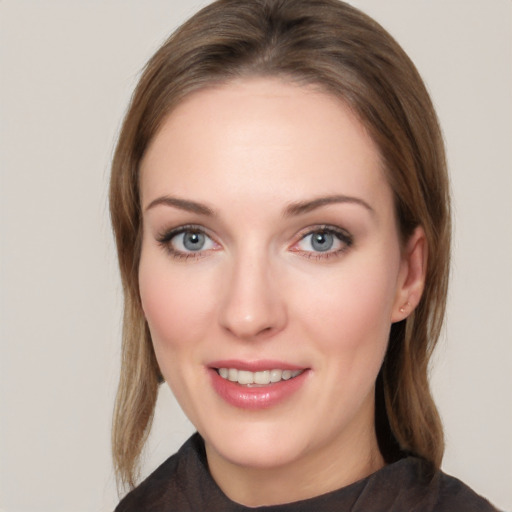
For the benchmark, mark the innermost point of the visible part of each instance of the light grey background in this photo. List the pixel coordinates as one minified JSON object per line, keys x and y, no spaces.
{"x":67,"y":69}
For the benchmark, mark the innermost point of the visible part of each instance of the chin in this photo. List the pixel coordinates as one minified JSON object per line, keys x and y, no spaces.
{"x":257,"y":448}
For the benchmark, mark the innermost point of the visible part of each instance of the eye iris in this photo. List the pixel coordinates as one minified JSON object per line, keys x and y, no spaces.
{"x":322,"y":241}
{"x":193,"y":241}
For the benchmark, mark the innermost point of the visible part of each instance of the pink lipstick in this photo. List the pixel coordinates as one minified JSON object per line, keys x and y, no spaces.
{"x":255,"y":385}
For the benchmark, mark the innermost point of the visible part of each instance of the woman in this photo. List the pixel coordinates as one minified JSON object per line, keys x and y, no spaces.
{"x":280,"y":204}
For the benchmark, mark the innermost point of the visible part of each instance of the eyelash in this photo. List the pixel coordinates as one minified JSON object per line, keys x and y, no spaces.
{"x":164,"y":239}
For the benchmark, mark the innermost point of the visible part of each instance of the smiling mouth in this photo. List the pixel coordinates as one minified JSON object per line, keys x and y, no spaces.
{"x":255,"y":379}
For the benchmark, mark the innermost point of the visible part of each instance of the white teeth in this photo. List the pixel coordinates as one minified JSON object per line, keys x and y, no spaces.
{"x":275,"y":375}
{"x":264,"y":377}
{"x":245,"y":377}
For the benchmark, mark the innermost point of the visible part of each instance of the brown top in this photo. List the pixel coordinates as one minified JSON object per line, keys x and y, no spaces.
{"x":183,"y":483}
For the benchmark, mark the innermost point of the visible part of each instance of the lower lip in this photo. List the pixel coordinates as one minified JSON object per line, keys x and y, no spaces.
{"x":254,"y":398}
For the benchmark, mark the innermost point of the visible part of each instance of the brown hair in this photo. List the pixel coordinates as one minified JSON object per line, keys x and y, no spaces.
{"x":333,"y":45}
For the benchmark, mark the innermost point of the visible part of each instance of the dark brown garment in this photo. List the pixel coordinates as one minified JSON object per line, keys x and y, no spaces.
{"x":183,"y":484}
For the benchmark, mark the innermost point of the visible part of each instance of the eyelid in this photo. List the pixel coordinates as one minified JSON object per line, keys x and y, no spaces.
{"x":326,"y":228}
{"x":167,"y":234}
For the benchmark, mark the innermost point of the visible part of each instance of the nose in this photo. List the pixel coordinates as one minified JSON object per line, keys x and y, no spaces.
{"x":253,"y":306}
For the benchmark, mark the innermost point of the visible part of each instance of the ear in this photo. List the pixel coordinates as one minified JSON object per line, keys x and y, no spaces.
{"x":411,"y":276}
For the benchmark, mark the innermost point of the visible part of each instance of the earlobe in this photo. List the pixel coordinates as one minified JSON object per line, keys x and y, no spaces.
{"x":411,"y":279}
{"x":404,"y":308}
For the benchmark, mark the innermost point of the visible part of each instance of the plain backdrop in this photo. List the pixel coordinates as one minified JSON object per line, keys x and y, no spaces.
{"x":67,"y":69}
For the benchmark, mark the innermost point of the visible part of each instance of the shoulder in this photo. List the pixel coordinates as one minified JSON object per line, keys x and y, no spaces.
{"x":165,"y":489}
{"x":456,"y":495}
{"x":427,"y":490}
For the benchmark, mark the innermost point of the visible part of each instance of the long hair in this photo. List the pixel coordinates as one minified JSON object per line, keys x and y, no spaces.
{"x":332,"y":45}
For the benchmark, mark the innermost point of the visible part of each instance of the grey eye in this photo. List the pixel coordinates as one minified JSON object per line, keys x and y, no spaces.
{"x":325,"y":240}
{"x":193,"y":241}
{"x":322,"y":241}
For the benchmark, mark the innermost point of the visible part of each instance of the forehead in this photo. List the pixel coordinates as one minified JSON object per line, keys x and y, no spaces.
{"x":261,"y":135}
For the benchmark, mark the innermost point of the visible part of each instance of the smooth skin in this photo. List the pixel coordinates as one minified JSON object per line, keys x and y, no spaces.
{"x":269,"y":233}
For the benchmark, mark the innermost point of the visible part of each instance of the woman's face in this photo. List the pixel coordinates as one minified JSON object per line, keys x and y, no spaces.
{"x":270,"y":272}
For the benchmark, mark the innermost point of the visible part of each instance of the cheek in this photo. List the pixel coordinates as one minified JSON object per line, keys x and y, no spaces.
{"x":350,"y":310}
{"x":177,"y":307}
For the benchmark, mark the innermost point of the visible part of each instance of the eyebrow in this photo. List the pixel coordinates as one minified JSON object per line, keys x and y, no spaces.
{"x":301,"y":207}
{"x":297,"y":208}
{"x":182,"y":204}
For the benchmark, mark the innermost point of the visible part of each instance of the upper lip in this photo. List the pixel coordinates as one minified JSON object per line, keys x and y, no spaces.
{"x":255,"y":366}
